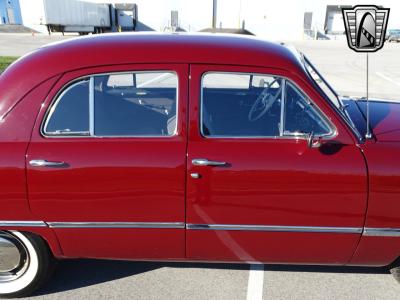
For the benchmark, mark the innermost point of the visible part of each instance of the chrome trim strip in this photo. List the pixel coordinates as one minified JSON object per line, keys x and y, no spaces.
{"x":283,"y":100}
{"x":22,"y":224}
{"x":171,"y":225}
{"x":274,"y":228}
{"x":394,"y":232}
{"x":91,"y":106}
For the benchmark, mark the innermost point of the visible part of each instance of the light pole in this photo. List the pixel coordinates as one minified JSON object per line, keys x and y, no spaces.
{"x":214,"y":16}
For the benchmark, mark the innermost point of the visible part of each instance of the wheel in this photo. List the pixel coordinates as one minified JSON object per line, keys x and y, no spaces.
{"x":25,"y":263}
{"x":396,"y":273}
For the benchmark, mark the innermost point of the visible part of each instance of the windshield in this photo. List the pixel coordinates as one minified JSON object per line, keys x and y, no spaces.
{"x":322,"y":83}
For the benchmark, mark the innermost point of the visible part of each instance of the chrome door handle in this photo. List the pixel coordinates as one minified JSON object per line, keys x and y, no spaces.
{"x":46,"y":163}
{"x":206,"y":162}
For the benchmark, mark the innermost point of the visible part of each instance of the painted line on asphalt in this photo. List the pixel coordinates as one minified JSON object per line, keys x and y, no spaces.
{"x":387,"y":78}
{"x":256,"y":282}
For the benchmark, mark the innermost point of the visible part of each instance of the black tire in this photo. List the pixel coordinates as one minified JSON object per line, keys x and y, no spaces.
{"x":40,"y":267}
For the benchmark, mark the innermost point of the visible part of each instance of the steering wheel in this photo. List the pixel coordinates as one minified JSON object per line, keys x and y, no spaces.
{"x":263,"y":102}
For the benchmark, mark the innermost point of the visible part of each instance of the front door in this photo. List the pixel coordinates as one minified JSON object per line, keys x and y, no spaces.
{"x":256,"y":189}
{"x":106,"y":163}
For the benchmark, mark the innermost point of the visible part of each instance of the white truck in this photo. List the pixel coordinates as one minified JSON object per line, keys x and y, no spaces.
{"x":77,"y":16}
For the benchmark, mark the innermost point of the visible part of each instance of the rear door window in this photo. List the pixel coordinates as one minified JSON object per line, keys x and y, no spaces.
{"x":135,"y":104}
{"x":128,"y":104}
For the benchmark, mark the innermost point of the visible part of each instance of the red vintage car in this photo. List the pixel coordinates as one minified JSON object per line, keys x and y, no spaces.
{"x":189,"y":148}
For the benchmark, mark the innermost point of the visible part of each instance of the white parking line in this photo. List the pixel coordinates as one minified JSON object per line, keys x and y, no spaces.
{"x":387,"y":78}
{"x":256,"y":282}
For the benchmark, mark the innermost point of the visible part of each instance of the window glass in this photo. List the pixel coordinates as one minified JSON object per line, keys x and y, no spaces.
{"x":70,"y":115}
{"x":226,"y":80}
{"x":233,"y":106}
{"x":141,"y":80}
{"x":301,"y":116}
{"x":136,"y":104}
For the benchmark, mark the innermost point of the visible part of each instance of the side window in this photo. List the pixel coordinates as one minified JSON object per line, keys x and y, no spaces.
{"x":301,"y":116}
{"x":254,"y":105}
{"x":233,"y":106}
{"x":70,"y":113}
{"x":136,"y":104}
{"x":129,"y":104}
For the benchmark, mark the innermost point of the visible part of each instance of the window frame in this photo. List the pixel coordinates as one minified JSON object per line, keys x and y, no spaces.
{"x":90,"y":77}
{"x":333,"y":130}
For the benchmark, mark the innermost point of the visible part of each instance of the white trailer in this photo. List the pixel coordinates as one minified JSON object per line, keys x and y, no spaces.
{"x":77,"y":16}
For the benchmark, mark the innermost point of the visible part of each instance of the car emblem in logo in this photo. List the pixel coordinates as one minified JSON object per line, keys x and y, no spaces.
{"x":365,"y":27}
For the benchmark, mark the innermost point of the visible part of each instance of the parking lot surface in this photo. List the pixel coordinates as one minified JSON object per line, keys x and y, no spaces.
{"x":344,"y":69}
{"x":100,"y":279}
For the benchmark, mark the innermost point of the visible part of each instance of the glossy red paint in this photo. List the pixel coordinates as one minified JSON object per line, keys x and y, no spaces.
{"x":383,"y":203}
{"x":112,"y":180}
{"x":267,"y":182}
{"x":324,"y":186}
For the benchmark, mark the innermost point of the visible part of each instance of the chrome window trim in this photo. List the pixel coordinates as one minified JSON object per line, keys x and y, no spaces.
{"x":170,"y":225}
{"x":282,"y":117}
{"x":22,"y":224}
{"x":68,"y":85}
{"x":333,"y":130}
{"x":91,"y":106}
{"x":275,"y":228}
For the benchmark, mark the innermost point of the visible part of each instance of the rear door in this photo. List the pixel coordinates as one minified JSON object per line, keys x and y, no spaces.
{"x":256,"y":190}
{"x":107,"y":161}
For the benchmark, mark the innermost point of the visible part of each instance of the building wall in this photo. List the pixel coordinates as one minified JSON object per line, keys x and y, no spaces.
{"x":7,"y":7}
{"x":32,"y":12}
{"x":274,"y":20}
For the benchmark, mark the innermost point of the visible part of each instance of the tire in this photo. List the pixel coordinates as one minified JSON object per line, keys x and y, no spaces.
{"x":35,"y":267}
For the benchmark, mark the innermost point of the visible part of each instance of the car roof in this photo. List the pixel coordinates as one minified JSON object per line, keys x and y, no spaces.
{"x":128,"y":48}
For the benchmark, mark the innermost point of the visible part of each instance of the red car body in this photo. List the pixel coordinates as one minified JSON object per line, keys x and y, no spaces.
{"x":276,"y":201}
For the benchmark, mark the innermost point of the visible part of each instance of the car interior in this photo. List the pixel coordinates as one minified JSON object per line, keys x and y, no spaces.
{"x":228,"y":112}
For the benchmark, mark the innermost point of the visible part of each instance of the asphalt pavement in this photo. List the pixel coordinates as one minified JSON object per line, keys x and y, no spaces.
{"x":102,"y":279}
{"x":342,"y":67}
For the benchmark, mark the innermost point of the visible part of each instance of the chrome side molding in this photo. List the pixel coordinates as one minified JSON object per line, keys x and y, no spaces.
{"x":158,"y":225}
{"x":22,"y":224}
{"x":367,"y":231}
{"x":273,"y":228}
{"x":393,"y":232}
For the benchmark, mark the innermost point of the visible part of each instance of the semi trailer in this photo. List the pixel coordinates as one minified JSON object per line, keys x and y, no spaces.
{"x":77,"y":16}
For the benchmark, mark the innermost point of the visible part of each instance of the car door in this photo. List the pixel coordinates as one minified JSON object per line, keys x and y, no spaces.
{"x":257,"y":189}
{"x":107,"y":160}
